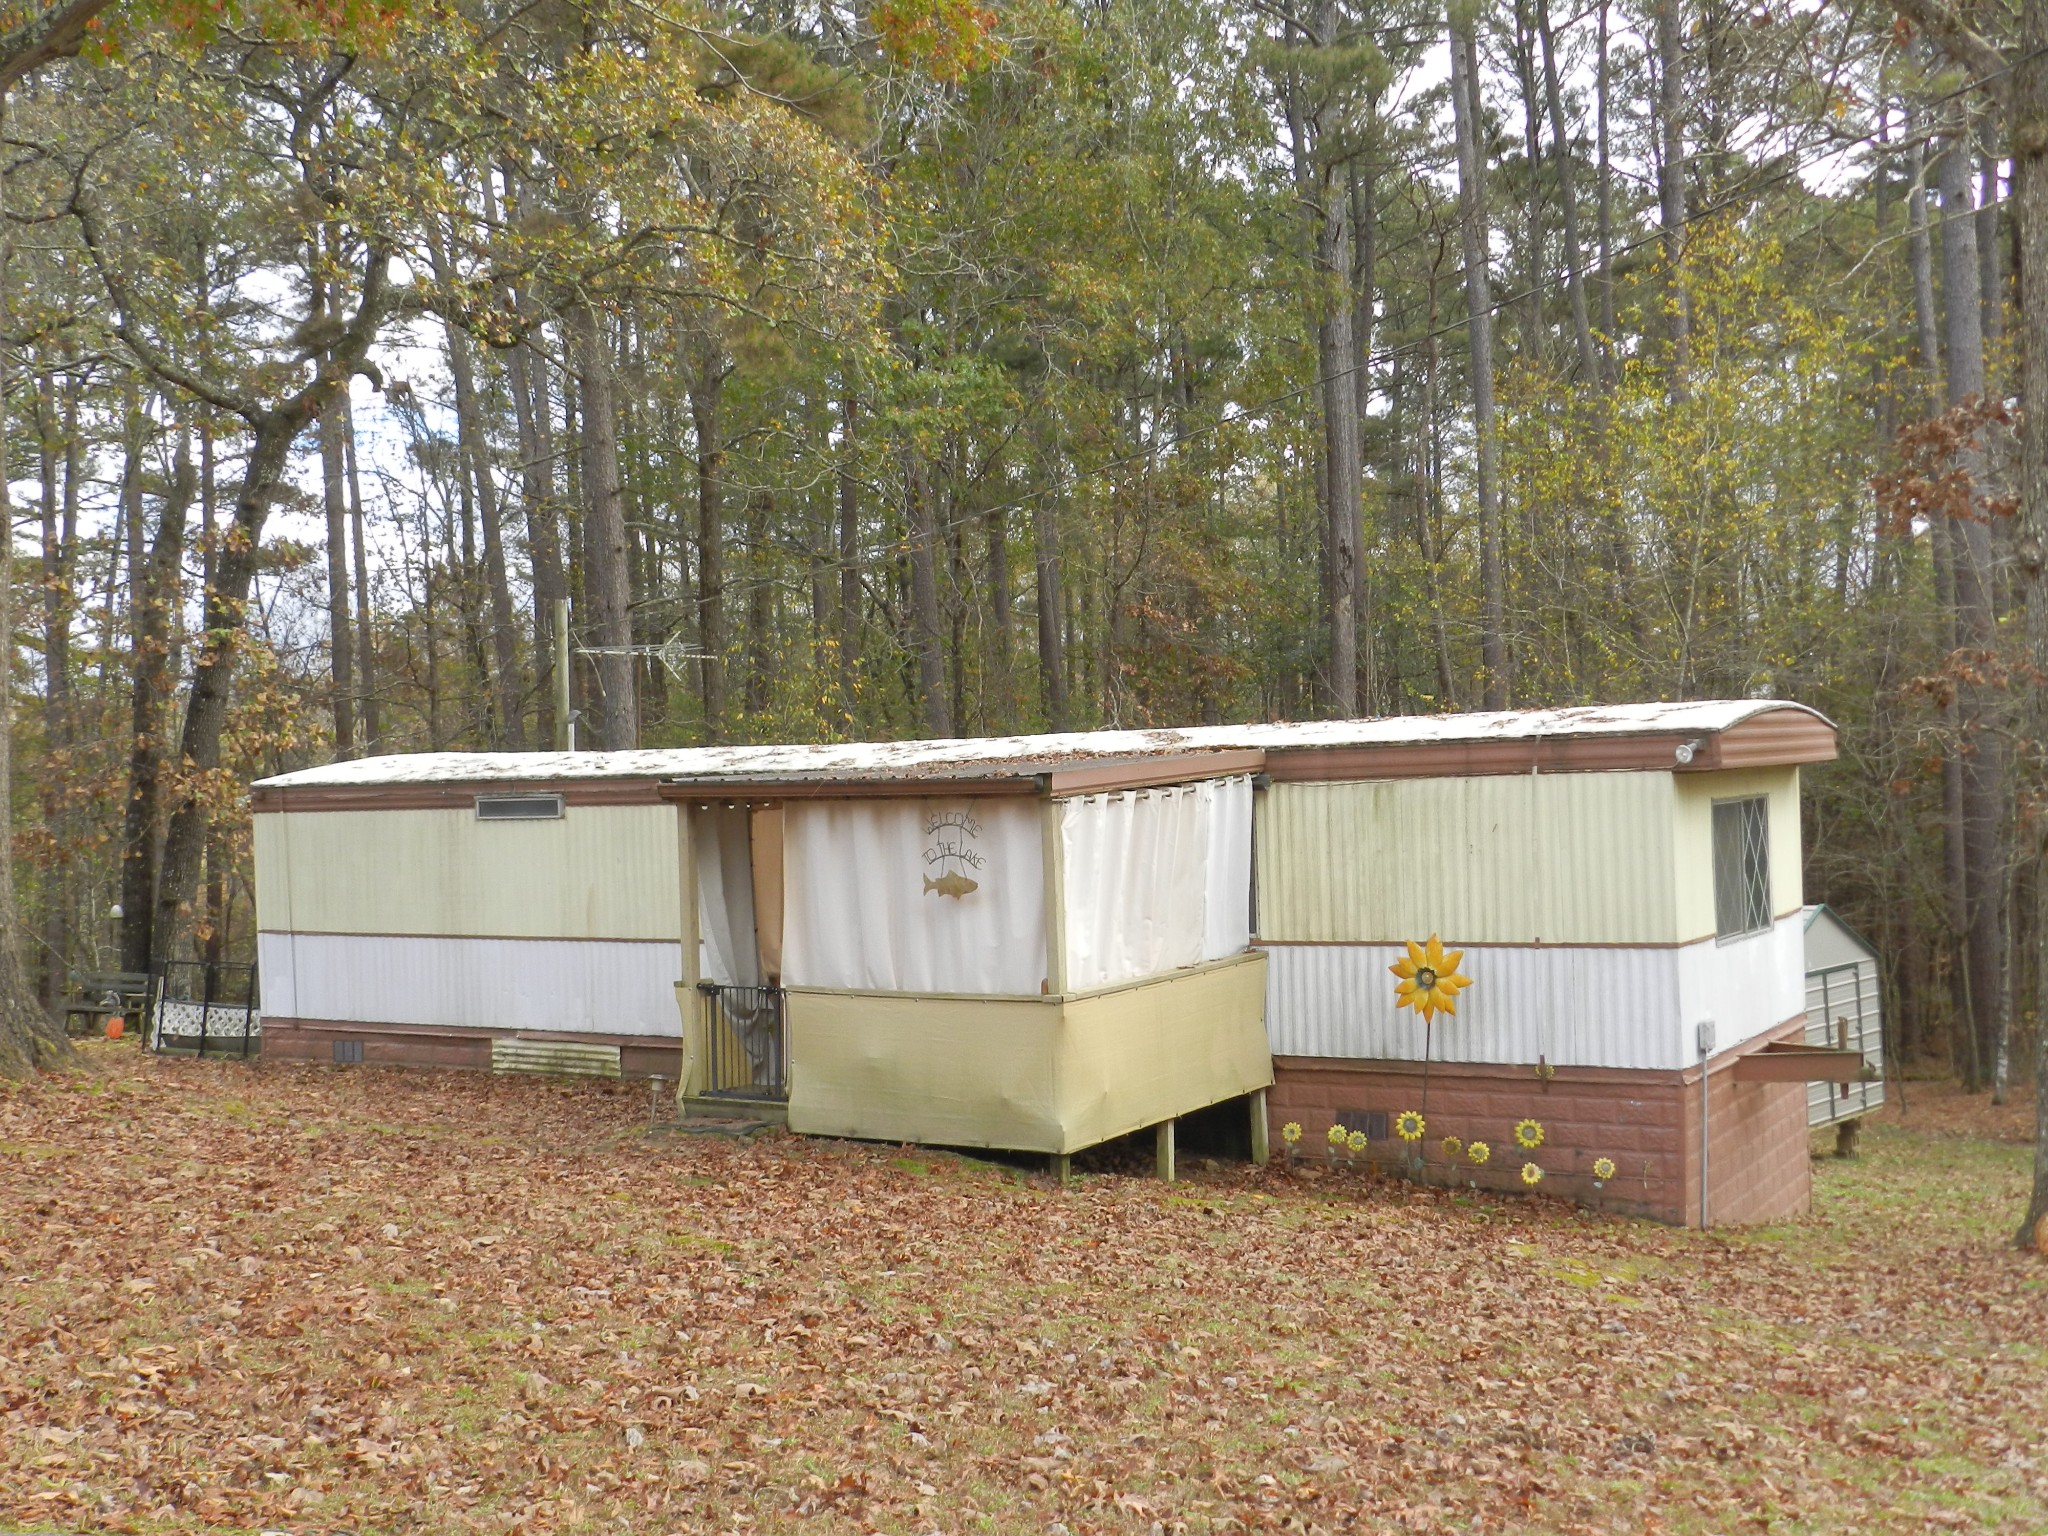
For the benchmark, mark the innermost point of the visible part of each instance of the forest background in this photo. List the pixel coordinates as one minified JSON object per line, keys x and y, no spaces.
{"x":930,"y":368}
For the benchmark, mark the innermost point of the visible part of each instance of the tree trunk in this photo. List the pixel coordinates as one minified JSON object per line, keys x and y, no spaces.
{"x":999,"y":709}
{"x":1320,"y":192}
{"x":1472,"y":229}
{"x":1989,"y":267}
{"x":926,"y":641}
{"x":365,"y":649}
{"x":206,"y":708}
{"x":1605,"y":214}
{"x":340,"y":632}
{"x":148,"y":706}
{"x":1671,"y":188}
{"x":476,"y":463}
{"x":756,"y":565}
{"x":1530,"y":311}
{"x":1567,"y":202}
{"x":60,"y":543}
{"x":535,"y":425}
{"x":1364,"y":186}
{"x":1927,"y":336}
{"x":1920,"y":253}
{"x":849,"y":569}
{"x":607,"y":583}
{"x":1052,"y":661}
{"x":1983,"y":778}
{"x":707,"y":393}
{"x":2028,"y":133}
{"x":1337,"y":358}
{"x":1426,"y":460}
{"x":28,"y":1037}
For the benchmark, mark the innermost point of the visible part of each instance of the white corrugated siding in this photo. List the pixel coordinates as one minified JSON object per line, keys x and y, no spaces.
{"x":501,"y":984}
{"x":1569,"y":858}
{"x":598,"y":872}
{"x":1746,"y":987}
{"x":1851,"y":993}
{"x":1573,"y":1007}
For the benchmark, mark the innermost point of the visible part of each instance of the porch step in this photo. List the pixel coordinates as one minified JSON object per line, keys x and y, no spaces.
{"x":726,"y":1107}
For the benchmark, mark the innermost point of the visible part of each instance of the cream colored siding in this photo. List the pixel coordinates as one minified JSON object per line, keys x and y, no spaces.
{"x":1693,"y":838}
{"x":599,"y":872}
{"x":1568,"y":858}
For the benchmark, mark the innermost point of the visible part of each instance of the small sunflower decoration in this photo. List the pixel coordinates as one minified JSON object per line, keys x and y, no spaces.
{"x":1291,"y":1132}
{"x":1528,"y":1135}
{"x":1430,"y":982}
{"x":1338,"y":1135}
{"x":1531,"y":1174}
{"x":1357,"y":1141}
{"x":1408,"y":1125}
{"x":1603,"y":1168}
{"x":1478,"y":1151}
{"x":1452,"y":1147}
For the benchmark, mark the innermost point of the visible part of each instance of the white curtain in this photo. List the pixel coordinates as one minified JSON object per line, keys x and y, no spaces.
{"x":728,"y":950}
{"x":1227,"y":922}
{"x":914,"y":895}
{"x":1156,"y":879}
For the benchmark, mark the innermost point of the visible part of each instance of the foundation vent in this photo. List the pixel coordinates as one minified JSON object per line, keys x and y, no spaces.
{"x":1371,"y":1121}
{"x":555,"y":1058}
{"x":348,"y":1053}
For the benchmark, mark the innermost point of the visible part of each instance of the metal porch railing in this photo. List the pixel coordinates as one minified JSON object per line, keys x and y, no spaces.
{"x":746,"y":1042}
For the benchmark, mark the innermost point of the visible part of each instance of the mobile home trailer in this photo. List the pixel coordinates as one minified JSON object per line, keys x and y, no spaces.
{"x":1041,"y":943}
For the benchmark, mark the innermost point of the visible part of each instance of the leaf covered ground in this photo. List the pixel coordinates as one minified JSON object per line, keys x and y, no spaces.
{"x":244,"y":1298}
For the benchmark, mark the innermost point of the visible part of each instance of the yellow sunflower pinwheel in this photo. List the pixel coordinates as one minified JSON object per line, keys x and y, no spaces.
{"x":1430,"y":982}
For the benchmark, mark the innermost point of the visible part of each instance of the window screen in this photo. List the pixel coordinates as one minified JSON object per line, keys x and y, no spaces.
{"x":518,"y":807}
{"x":1742,"y":867}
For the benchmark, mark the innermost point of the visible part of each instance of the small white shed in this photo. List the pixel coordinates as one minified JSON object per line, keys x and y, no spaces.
{"x":1845,"y":1010}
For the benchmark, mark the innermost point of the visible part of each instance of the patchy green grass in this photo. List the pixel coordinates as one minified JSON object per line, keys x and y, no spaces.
{"x":246,"y":1298}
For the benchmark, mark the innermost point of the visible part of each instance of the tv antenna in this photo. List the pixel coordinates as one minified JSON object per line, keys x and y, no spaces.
{"x":671,"y":653}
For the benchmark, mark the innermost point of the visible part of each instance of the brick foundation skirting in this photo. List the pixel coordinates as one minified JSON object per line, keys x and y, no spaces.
{"x":410,"y":1045}
{"x":1647,"y":1122}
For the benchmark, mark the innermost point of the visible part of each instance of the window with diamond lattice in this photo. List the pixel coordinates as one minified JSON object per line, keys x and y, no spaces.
{"x":1742,"y":867}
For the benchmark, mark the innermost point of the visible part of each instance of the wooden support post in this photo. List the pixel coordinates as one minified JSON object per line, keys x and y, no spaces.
{"x":1062,"y":1167}
{"x":1165,"y":1144}
{"x":689,"y":1078}
{"x":1054,"y":856}
{"x":1846,"y":1132}
{"x":1262,"y":1141}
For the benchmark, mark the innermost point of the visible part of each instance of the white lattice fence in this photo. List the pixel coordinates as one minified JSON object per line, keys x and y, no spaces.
{"x":216,"y":1021}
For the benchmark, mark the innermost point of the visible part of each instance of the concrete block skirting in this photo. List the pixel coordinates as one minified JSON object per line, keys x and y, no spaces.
{"x":1646,"y":1121}
{"x":420,"y":1045}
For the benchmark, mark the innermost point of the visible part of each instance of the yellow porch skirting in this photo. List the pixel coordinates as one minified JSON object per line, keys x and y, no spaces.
{"x":1031,"y":1074}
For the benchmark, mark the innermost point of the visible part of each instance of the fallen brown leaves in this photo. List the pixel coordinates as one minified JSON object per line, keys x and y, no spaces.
{"x":268,"y":1298}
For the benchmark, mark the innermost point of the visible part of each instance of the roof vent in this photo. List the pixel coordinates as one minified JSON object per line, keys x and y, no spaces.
{"x":518,"y":807}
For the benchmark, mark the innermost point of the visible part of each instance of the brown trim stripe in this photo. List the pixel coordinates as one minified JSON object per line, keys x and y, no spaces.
{"x":448,"y":797}
{"x":1780,"y":738}
{"x":1259,"y":941}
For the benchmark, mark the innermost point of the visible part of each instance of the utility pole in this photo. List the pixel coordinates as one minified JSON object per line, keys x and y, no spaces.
{"x":565,"y":726}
